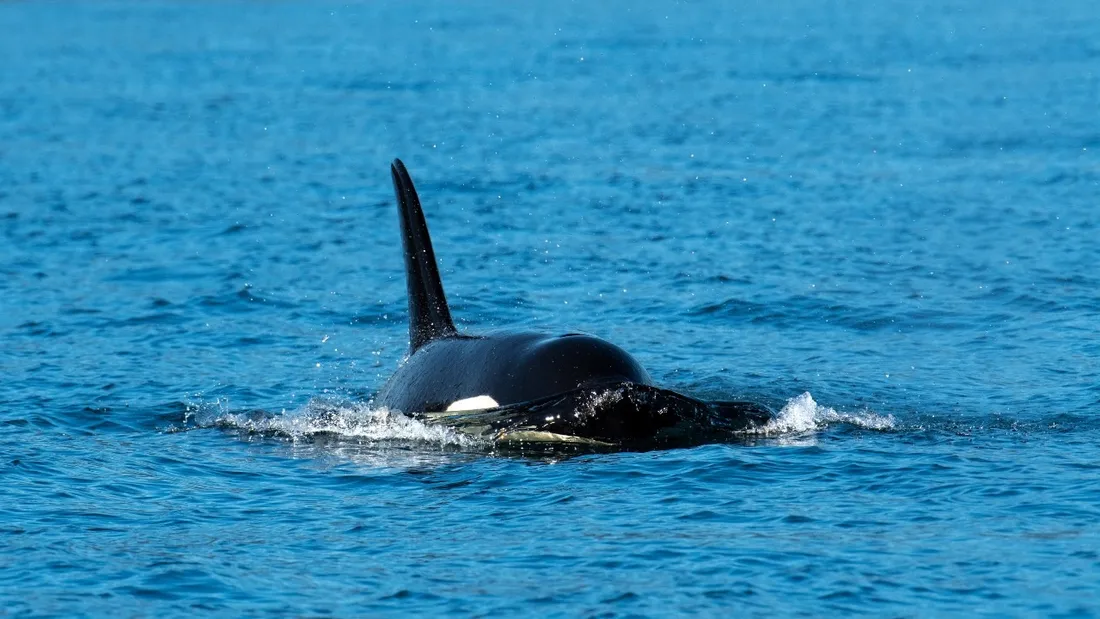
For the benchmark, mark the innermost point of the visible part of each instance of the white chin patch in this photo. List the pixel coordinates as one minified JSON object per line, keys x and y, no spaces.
{"x":475,"y":403}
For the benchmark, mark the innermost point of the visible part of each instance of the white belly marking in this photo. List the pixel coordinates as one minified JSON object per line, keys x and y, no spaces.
{"x":475,"y":403}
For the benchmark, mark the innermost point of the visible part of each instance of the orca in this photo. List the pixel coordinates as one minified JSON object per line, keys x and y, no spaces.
{"x":531,"y":387}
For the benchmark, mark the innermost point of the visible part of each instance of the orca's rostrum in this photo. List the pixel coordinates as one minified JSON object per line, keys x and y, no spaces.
{"x":531,"y":387}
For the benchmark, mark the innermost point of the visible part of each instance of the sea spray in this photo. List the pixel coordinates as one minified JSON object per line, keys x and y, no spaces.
{"x":802,"y":414}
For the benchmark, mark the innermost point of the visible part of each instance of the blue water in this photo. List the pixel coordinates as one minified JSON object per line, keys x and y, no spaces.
{"x":879,"y":218}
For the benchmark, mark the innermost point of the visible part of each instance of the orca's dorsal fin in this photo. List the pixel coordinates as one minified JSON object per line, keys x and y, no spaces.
{"x":429,"y":316}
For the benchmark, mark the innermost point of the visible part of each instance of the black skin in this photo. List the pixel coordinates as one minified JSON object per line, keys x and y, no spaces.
{"x":540,"y":382}
{"x":510,"y":367}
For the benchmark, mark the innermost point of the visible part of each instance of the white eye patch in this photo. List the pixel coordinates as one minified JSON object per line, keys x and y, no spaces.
{"x":475,"y":403}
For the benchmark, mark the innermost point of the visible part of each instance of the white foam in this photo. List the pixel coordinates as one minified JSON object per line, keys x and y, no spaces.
{"x":802,"y":414}
{"x":355,"y":421}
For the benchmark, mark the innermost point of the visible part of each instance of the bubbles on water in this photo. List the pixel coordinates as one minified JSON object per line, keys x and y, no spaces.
{"x":802,"y":414}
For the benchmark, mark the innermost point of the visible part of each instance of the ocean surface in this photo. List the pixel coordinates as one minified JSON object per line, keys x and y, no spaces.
{"x":880,"y":219}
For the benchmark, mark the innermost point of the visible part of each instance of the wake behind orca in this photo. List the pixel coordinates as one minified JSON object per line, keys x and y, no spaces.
{"x":530,"y":387}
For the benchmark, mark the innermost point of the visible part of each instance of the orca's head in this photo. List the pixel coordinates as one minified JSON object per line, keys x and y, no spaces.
{"x":575,"y":360}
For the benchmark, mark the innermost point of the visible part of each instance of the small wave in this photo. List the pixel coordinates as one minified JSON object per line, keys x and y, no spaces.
{"x":803,"y":414}
{"x":324,"y":418}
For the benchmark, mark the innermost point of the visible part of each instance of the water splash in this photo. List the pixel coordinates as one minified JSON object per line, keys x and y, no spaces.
{"x":321,"y":417}
{"x":802,"y":414}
